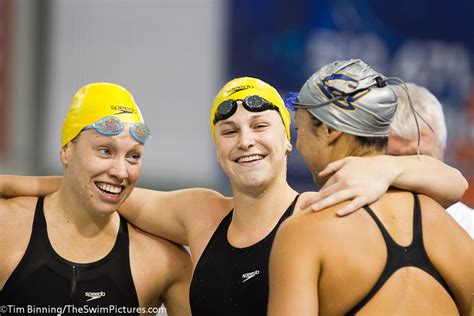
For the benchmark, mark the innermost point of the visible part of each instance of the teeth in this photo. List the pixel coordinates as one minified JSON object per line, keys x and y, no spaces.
{"x":109,"y":188}
{"x":250,"y":158}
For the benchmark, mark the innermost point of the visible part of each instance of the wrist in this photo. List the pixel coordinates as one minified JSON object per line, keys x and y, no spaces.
{"x":395,"y":167}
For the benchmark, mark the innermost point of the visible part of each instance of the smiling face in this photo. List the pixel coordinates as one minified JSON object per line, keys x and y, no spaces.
{"x":101,"y":171}
{"x":252,"y":149}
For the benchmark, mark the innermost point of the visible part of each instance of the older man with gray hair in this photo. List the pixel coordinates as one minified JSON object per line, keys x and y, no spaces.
{"x":403,"y":137}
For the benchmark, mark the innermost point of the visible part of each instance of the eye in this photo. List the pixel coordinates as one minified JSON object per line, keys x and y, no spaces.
{"x":261,"y":125}
{"x":134,"y":158}
{"x":228,"y":132}
{"x":104,"y":151}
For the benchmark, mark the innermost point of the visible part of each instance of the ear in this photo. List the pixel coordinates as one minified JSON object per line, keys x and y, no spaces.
{"x":64,"y":154}
{"x":289,"y":147}
{"x":333,"y":134}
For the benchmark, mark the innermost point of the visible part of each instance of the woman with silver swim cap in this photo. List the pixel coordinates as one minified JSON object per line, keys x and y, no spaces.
{"x":393,"y":257}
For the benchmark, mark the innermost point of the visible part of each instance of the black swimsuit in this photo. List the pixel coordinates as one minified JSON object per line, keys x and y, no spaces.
{"x":233,"y":281}
{"x":413,"y":255}
{"x":43,"y":278}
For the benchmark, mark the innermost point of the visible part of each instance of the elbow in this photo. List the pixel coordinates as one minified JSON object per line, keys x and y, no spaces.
{"x":464,"y":185}
{"x":459,"y":188}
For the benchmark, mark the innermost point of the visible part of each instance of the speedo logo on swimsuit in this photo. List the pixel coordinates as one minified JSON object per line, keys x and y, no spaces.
{"x":249,"y":275}
{"x":122,"y":109}
{"x":94,"y":295}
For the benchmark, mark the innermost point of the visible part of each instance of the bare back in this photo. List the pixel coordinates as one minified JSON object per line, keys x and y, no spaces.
{"x":349,"y":255}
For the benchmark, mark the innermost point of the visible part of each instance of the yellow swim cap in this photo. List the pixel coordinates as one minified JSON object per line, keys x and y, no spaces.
{"x":94,"y":101}
{"x":239,"y":88}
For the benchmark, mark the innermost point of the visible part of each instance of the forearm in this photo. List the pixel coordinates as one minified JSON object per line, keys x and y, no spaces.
{"x":13,"y":186}
{"x":429,"y":176}
{"x":156,"y":212}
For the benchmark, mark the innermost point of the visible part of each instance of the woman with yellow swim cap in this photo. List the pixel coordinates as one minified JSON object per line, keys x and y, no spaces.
{"x":71,"y":247}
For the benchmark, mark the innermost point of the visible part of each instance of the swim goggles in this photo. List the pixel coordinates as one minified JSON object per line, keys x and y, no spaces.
{"x":112,"y":126}
{"x":252,"y":103}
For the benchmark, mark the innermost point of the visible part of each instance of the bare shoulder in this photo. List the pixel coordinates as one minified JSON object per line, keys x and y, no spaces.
{"x":323,"y":226}
{"x":156,"y":259}
{"x":429,"y":202}
{"x":17,"y":209}
{"x":437,"y":219}
{"x":208,"y":206}
{"x":209,"y":199}
{"x":151,"y":248}
{"x":16,"y":219}
{"x":307,"y":221}
{"x":156,"y":265}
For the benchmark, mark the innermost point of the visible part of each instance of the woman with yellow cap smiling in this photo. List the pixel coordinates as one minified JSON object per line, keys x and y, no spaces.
{"x":230,"y":238}
{"x":71,"y":252}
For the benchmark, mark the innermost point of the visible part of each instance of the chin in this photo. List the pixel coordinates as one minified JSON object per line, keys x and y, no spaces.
{"x":251,"y":184}
{"x":102,"y":208}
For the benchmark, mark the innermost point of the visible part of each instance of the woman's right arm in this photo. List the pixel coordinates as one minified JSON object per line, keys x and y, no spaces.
{"x":170,"y":215}
{"x":14,"y":186}
{"x":174,"y":215}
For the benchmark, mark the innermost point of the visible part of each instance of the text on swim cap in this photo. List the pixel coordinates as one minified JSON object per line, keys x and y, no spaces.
{"x":238,"y":88}
{"x":123,"y":109}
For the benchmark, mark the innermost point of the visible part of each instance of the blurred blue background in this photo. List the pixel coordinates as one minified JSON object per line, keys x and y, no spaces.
{"x":174,"y":55}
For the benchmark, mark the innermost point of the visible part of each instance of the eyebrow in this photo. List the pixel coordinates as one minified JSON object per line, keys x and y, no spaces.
{"x":253,"y":116}
{"x":111,"y":139}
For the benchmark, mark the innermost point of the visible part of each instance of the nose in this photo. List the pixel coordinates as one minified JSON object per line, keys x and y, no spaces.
{"x":118,"y":169}
{"x":246,"y":139}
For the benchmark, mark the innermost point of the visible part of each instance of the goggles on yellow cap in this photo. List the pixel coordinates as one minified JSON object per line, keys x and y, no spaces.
{"x":94,"y":105}
{"x":112,"y":126}
{"x":255,"y":95}
{"x":252,"y":103}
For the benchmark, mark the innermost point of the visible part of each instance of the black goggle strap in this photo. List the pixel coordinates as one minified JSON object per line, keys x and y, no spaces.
{"x":299,"y":104}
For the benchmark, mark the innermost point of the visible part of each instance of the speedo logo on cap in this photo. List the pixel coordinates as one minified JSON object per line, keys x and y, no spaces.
{"x":122,"y":109}
{"x":237,"y":89}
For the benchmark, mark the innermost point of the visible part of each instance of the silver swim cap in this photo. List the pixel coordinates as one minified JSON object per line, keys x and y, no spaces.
{"x":350,"y":97}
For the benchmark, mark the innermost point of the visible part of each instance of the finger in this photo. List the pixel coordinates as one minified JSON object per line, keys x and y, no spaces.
{"x":353,"y":206}
{"x":329,"y":188}
{"x":331,"y":181}
{"x":335,"y":198}
{"x":332,"y":168}
{"x":309,"y":200}
{"x":332,"y":188}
